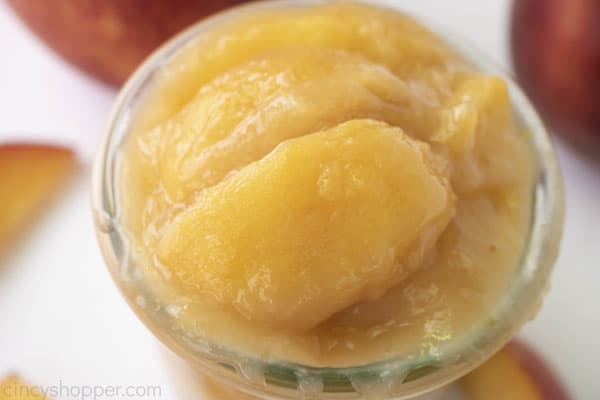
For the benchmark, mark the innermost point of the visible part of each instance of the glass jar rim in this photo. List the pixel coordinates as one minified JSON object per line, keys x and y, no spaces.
{"x":279,"y":377}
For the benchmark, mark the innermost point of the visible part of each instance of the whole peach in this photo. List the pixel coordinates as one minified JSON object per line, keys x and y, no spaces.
{"x":109,"y":38}
{"x":556,"y":55}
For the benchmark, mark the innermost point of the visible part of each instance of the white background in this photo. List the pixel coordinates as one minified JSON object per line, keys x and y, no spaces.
{"x":62,"y":319}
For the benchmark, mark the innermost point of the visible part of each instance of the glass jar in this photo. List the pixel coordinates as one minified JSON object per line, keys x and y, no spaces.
{"x":394,"y":378}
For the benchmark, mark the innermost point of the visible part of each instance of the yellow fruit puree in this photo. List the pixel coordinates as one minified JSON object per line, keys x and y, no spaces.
{"x":326,"y":184}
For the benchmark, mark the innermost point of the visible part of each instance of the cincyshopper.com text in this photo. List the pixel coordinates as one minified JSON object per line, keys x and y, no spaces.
{"x":62,"y":391}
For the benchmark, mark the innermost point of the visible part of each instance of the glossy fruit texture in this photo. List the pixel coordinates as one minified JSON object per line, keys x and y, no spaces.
{"x":556,"y":55}
{"x":110,"y":38}
{"x":314,"y":227}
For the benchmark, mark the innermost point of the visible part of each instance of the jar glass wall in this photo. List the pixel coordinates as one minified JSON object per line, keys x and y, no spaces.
{"x":392,"y":378}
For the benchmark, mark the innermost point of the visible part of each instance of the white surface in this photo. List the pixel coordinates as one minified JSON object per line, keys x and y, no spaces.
{"x":62,"y":319}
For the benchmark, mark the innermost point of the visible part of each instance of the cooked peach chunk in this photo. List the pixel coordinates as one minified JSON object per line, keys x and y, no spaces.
{"x":324,"y":221}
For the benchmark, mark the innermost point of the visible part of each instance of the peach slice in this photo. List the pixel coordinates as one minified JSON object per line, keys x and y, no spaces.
{"x":29,"y":174}
{"x":539,"y":371}
{"x":13,"y":388}
{"x":514,"y":373}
